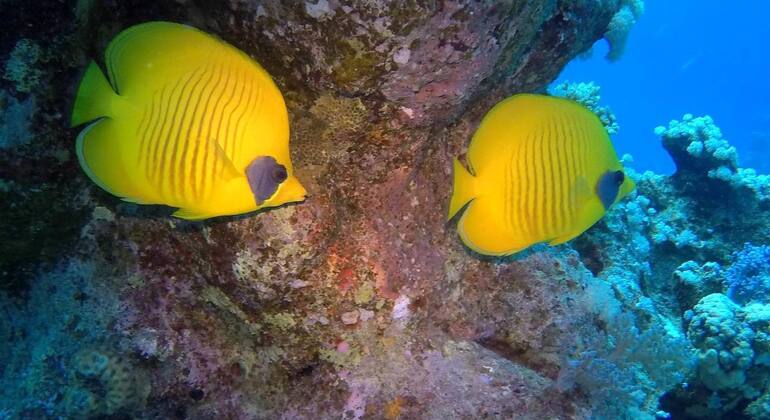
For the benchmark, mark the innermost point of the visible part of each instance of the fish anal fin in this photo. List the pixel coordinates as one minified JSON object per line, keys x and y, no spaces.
{"x":190,"y":215}
{"x":134,"y":200}
{"x":564,"y":238}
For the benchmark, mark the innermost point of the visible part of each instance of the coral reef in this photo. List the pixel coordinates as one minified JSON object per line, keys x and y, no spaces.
{"x":360,"y":302}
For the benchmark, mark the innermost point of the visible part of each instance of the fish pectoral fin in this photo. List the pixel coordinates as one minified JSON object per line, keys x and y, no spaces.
{"x":230,"y":172}
{"x":580,"y":193}
{"x":190,"y":215}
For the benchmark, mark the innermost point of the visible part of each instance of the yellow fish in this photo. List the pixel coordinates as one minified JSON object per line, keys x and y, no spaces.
{"x":185,"y":120}
{"x":542,"y":169}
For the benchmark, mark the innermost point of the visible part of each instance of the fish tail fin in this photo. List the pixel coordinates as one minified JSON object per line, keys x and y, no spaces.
{"x":464,"y":189}
{"x":94,"y":97}
{"x":101,"y":160}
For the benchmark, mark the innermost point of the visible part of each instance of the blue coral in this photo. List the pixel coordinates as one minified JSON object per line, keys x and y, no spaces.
{"x":748,"y":278}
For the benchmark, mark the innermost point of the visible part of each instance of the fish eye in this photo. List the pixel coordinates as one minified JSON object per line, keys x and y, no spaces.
{"x":279,"y":174}
{"x":619,"y":177}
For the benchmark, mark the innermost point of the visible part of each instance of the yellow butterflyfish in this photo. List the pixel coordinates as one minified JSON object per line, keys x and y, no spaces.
{"x":542,"y":169}
{"x":184,"y":120}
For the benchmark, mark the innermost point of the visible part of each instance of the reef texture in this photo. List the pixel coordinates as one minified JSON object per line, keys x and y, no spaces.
{"x":361,"y":302}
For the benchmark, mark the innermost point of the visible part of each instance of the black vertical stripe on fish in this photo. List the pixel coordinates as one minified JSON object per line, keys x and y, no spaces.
{"x":584,"y":147}
{"x":166,"y":137}
{"x":228,"y":89}
{"x":519,"y":179}
{"x":141,"y":132}
{"x":143,"y":153}
{"x":170,"y":138}
{"x":224,"y":127}
{"x":543,"y":195}
{"x":224,"y":122}
{"x":574,"y":170}
{"x":526,"y":202}
{"x":158,"y":137}
{"x":185,"y":119}
{"x":555,"y":171}
{"x":233,"y":117}
{"x":507,"y":187}
{"x":154,"y":133}
{"x":252,"y":110}
{"x":240,"y":112}
{"x":539,"y":176}
{"x":557,"y":175}
{"x":528,"y":206}
{"x":199,"y":138}
{"x":146,"y":152}
{"x":564,"y":170}
{"x":190,"y":138}
{"x":243,"y":122}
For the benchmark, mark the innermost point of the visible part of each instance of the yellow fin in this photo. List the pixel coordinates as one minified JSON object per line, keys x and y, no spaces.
{"x":477,"y":230}
{"x":190,"y":215}
{"x":564,"y":238}
{"x":580,"y":193}
{"x":96,"y":153}
{"x":134,"y":200}
{"x":463,"y":190}
{"x":154,"y":53}
{"x":94,"y":97}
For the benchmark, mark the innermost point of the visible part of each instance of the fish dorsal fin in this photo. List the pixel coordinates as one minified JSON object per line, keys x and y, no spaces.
{"x":154,"y":53}
{"x":231,"y":171}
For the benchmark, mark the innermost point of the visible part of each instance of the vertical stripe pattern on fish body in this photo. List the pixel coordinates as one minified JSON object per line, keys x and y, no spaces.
{"x":535,"y":162}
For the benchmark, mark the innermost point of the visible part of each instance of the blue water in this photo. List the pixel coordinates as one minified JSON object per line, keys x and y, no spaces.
{"x":689,"y":56}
